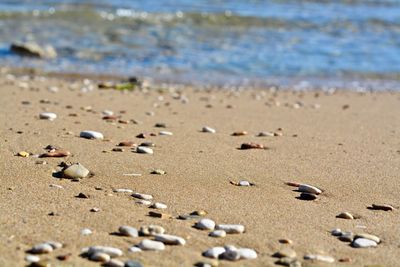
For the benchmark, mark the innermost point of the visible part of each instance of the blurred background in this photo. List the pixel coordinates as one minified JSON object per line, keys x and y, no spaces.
{"x":308,"y":43}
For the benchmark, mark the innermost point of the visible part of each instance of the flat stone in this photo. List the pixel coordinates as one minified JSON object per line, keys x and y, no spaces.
{"x":285,"y":241}
{"x":144,"y":150}
{"x":245,"y":146}
{"x":307,"y":196}
{"x":75,"y":171}
{"x":289,"y":262}
{"x":205,"y":224}
{"x":142,"y":196}
{"x":160,"y":125}
{"x":42,"y":248}
{"x":128,"y":231}
{"x":99,"y":256}
{"x":217,"y":233}
{"x":199,"y":213}
{"x":147,"y":144}
{"x":170,"y":239}
{"x":91,"y":135}
{"x":112,"y":252}
{"x":58,"y":153}
{"x":151,"y":230}
{"x":86,"y":231}
{"x":247,"y":253}
{"x":23,"y":154}
{"x":207,"y":129}
{"x":384,"y":207}
{"x":263,"y":134}
{"x":32,"y":258}
{"x":127,"y":143}
{"x":143,"y":202}
{"x":133,"y":263}
{"x":336,"y":232}
{"x":165,"y":133}
{"x":47,"y":116}
{"x":363,"y":243}
{"x":159,"y":172}
{"x":122,"y":190}
{"x":114,"y":263}
{"x":159,"y":215}
{"x":309,"y":189}
{"x":317,"y":257}
{"x":231,"y":228}
{"x":368,"y":236}
{"x":158,"y":205}
{"x":346,"y":237}
{"x":134,"y":249}
{"x":147,"y":244}
{"x":240,"y":133}
{"x":345,"y":215}
{"x":55,"y":244}
{"x":285,"y":253}
{"x":214,"y":252}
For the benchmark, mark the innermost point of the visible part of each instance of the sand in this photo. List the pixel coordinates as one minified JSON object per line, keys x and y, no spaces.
{"x":352,"y":153}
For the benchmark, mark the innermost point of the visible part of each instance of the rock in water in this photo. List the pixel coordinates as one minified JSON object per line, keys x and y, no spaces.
{"x":31,"y":49}
{"x":47,"y":116}
{"x":91,"y":135}
{"x":75,"y":171}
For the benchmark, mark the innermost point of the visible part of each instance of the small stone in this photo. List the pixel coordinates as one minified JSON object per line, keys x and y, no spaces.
{"x":91,"y":135}
{"x":382,"y":207}
{"x":32,"y":258}
{"x":207,"y":129}
{"x":231,"y":228}
{"x":47,"y":116}
{"x":114,"y":263}
{"x":199,"y":213}
{"x":159,"y":172}
{"x":55,"y":244}
{"x":134,"y":249}
{"x":42,"y":248}
{"x":141,"y":135}
{"x":336,"y":232}
{"x":230,"y":254}
{"x":307,"y":196}
{"x":241,"y":133}
{"x":247,"y":253}
{"x":289,"y":262}
{"x":346,"y":237}
{"x":112,"y":252}
{"x":86,"y":231}
{"x":100,"y":257}
{"x":143,"y":202}
{"x":160,"y":125}
{"x":363,"y":243}
{"x":159,"y":215}
{"x":147,"y":244}
{"x":158,"y":205}
{"x":205,"y":224}
{"x":245,"y":146}
{"x":285,"y":253}
{"x":132,"y":263}
{"x":55,"y":154}
{"x":316,"y":257}
{"x":122,"y":190}
{"x":214,"y":252}
{"x":41,"y":263}
{"x":23,"y":154}
{"x":94,"y":210}
{"x":32,"y":49}
{"x":263,"y":134}
{"x":127,"y":143}
{"x":142,"y":196}
{"x":285,"y":241}
{"x":75,"y":171}
{"x":170,"y":239}
{"x":368,"y":236}
{"x":151,"y":230}
{"x":309,"y":189}
{"x":244,"y":183}
{"x":345,"y":215}
{"x":107,"y":112}
{"x":147,"y":144}
{"x":165,"y":133}
{"x":118,"y":149}
{"x":144,"y":150}
{"x":110,"y":118}
{"x":128,"y":231}
{"x":217,"y":233}
{"x":82,"y":195}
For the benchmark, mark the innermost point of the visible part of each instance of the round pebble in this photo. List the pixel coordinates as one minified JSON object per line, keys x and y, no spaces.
{"x":128,"y":231}
{"x":86,"y":231}
{"x":247,"y":253}
{"x":147,"y":244}
{"x":32,"y":258}
{"x":363,"y":243}
{"x":217,"y":233}
{"x":75,"y":171}
{"x":99,"y":256}
{"x":309,"y":189}
{"x":91,"y":135}
{"x":112,"y":252}
{"x":205,"y":224}
{"x":42,"y":248}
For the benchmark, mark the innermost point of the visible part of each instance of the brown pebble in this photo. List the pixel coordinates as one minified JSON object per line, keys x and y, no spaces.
{"x":141,"y":135}
{"x":55,"y":154}
{"x":64,"y":257}
{"x":123,"y":121}
{"x":285,"y":241}
{"x":126,"y":143}
{"x":159,"y":215}
{"x":382,"y":207}
{"x":252,"y":146}
{"x":241,"y":133}
{"x":344,"y":260}
{"x":118,"y":149}
{"x":82,"y":195}
{"x":293,"y":184}
{"x":344,"y":107}
{"x":199,"y":213}
{"x":110,"y":118}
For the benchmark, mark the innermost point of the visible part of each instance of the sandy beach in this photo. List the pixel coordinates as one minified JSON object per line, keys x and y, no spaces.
{"x":345,"y":143}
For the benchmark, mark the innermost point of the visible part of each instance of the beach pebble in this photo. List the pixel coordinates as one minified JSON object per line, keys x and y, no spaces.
{"x":47,"y":116}
{"x":285,"y":241}
{"x":161,"y":215}
{"x":231,"y":228}
{"x":205,"y":224}
{"x":32,"y":258}
{"x":346,"y":237}
{"x":75,"y":171}
{"x":207,"y":129}
{"x":382,"y":207}
{"x":148,"y":144}
{"x":114,"y":263}
{"x":165,"y":133}
{"x":309,"y":189}
{"x":147,"y":244}
{"x":91,"y":135}
{"x":151,"y":230}
{"x":144,"y":150}
{"x":263,"y":134}
{"x":244,"y":183}
{"x":134,"y":249}
{"x":111,"y":251}
{"x":217,"y":233}
{"x":143,"y":202}
{"x":42,"y":248}
{"x":158,"y":205}
{"x":122,"y":190}
{"x":118,"y":149}
{"x":230,"y":254}
{"x":128,"y":231}
{"x":158,"y":172}
{"x":94,"y":209}
{"x":126,"y":143}
{"x":345,"y":215}
{"x":245,"y":146}
{"x":56,"y":186}
{"x":363,"y":243}
{"x":317,"y":257}
{"x":55,"y":154}
{"x":23,"y":154}
{"x":107,"y":112}
{"x":285,"y":253}
{"x":368,"y":236}
{"x":170,"y":239}
{"x":214,"y":252}
{"x":142,"y":196}
{"x":307,"y":196}
{"x":247,"y":253}
{"x":336,"y":232}
{"x":100,"y":257}
{"x":160,"y":125}
{"x":86,"y":231}
{"x":240,"y":133}
{"x":55,"y":244}
{"x":133,"y":263}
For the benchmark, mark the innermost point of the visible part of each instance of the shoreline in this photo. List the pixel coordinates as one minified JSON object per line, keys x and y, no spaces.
{"x":343,"y":142}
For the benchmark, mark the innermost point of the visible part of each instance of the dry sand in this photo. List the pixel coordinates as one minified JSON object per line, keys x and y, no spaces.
{"x":353,"y":154}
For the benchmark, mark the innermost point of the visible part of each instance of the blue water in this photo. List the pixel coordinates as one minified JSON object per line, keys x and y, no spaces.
{"x":312,"y":42}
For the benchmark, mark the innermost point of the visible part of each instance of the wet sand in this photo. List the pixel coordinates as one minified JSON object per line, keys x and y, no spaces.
{"x":345,"y":143}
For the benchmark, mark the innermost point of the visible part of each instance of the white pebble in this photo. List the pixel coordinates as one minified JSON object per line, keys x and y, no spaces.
{"x":317,"y":257}
{"x":56,"y":186}
{"x":165,"y":133}
{"x":47,"y":116}
{"x":122,"y":190}
{"x":231,"y":228}
{"x":86,"y":231}
{"x":32,"y":258}
{"x":134,"y":249}
{"x":214,"y":252}
{"x":107,"y":112}
{"x":205,"y":224}
{"x":91,"y":135}
{"x":42,"y":248}
{"x":112,"y":252}
{"x":244,"y":183}
{"x":247,"y":253}
{"x":99,"y":256}
{"x":55,"y":244}
{"x":363,"y":243}
{"x":158,"y":205}
{"x":143,"y":202}
{"x":170,"y":239}
{"x":309,"y":189}
{"x":217,"y":233}
{"x":142,"y":196}
{"x":207,"y":129}
{"x":336,"y":232}
{"x":128,"y":231}
{"x":114,"y":263}
{"x":147,"y":244}
{"x":144,"y":150}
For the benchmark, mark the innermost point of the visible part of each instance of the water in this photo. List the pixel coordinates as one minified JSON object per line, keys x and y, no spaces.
{"x":308,"y":43}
